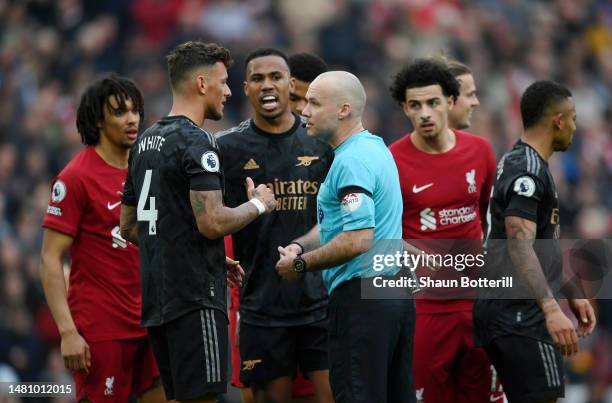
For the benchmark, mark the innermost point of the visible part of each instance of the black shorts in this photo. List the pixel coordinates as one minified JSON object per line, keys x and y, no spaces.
{"x":192,"y":354}
{"x":269,"y":353}
{"x":530,"y":370}
{"x":370,"y":347}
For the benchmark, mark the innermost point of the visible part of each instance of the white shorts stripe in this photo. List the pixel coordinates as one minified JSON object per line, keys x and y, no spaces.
{"x":205,"y":343}
{"x":545,"y":362}
{"x":555,"y":371}
{"x":214,"y":327}
{"x":213,"y":369}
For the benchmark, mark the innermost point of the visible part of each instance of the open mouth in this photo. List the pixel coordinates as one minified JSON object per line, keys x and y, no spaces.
{"x":269,"y":102}
{"x":132,"y":134}
{"x":427,"y":126}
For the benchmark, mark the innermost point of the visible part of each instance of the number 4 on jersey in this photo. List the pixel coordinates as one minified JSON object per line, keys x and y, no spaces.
{"x":149,"y":215}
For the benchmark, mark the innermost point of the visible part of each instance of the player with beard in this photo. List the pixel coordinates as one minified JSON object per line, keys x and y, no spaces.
{"x":282,"y":326}
{"x":444,"y":173}
{"x":99,"y":317}
{"x":173,"y":207}
{"x":525,"y":332}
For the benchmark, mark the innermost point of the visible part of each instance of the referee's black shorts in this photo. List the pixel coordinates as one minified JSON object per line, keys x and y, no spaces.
{"x":370,"y":347}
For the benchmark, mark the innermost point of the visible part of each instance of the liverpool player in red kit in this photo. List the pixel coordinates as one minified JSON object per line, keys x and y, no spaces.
{"x":99,"y":316}
{"x":446,"y":177}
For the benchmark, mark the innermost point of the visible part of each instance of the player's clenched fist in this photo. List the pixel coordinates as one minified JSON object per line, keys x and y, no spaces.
{"x":263,"y":193}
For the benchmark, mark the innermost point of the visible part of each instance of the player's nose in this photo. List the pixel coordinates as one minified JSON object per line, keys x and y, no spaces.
{"x":267,"y":84}
{"x":133,"y":117}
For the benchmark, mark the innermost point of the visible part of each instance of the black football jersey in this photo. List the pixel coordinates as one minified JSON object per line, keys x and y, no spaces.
{"x":523,"y":187}
{"x":181,"y":270}
{"x":293,"y":165}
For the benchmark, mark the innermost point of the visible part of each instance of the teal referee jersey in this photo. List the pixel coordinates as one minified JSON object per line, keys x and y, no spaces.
{"x":361,"y":190}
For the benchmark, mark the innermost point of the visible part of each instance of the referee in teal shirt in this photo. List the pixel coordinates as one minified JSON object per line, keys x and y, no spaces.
{"x":370,"y":340}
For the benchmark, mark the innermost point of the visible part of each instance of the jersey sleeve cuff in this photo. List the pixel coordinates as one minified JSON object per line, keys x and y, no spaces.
{"x":358,"y":226}
{"x":64,"y":229}
{"x":205,"y":182}
{"x":522,"y":214}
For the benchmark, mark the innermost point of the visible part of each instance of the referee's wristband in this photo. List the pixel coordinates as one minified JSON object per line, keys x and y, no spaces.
{"x":259,"y":204}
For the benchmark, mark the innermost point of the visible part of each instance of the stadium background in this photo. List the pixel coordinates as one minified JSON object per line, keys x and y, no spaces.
{"x":51,"y":49}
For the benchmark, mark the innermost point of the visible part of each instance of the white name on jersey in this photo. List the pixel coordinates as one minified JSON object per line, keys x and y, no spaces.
{"x":151,"y":143}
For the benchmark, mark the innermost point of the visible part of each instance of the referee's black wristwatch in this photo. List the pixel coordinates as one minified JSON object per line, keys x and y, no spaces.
{"x":299,"y":265}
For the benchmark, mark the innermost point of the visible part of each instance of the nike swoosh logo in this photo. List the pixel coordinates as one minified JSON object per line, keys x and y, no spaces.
{"x":112,"y":206}
{"x":416,"y":189}
{"x":495,"y":398}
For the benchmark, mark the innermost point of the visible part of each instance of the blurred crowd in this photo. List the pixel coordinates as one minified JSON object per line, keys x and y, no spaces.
{"x":51,"y":49}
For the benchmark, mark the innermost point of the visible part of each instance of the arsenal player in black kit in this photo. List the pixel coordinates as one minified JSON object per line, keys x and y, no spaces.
{"x":172,"y":207}
{"x":283,"y":325}
{"x":526,"y":333}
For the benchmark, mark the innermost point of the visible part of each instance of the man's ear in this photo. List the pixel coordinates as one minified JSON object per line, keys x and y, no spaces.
{"x":245,"y":88}
{"x":291,"y":84}
{"x":345,"y":110}
{"x":201,"y":84}
{"x":557,"y":121}
{"x":451,"y":102}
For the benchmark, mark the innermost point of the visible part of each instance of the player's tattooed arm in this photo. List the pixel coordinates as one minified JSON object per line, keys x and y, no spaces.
{"x":128,"y":223}
{"x":215,"y":220}
{"x":521,"y":234}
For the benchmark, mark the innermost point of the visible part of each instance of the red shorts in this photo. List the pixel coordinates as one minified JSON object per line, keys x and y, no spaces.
{"x":119,"y":369}
{"x":447,"y":367}
{"x":301,"y":387}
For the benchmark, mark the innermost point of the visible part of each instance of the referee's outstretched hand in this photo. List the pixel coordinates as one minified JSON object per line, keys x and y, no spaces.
{"x":261,"y":192}
{"x":284,"y":266}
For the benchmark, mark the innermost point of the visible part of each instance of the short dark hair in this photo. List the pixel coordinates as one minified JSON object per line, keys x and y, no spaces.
{"x":421,"y":73}
{"x":193,"y":54}
{"x":306,"y":66}
{"x":538,"y":98}
{"x":261,"y":52}
{"x":457,"y":68}
{"x":91,"y":107}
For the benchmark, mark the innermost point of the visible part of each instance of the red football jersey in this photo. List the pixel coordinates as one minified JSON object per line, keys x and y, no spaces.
{"x":445,"y":196}
{"x":104,"y":290}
